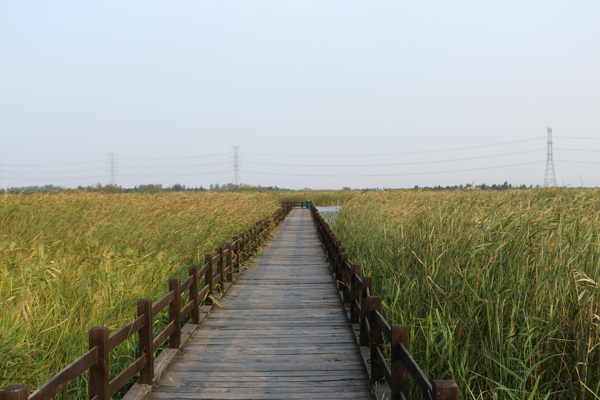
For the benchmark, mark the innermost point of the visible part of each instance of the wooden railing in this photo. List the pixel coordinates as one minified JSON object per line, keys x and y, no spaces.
{"x":216,"y":271}
{"x":296,"y":204}
{"x":365,"y":309}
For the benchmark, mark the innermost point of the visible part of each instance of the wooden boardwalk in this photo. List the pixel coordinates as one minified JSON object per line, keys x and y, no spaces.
{"x":280,"y":333}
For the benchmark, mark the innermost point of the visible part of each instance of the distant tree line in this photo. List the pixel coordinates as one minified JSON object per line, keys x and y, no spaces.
{"x":483,"y":186}
{"x":147,"y":188}
{"x":229,"y":187}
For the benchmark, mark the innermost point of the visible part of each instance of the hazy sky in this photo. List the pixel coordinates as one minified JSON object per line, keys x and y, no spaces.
{"x":320,"y":94}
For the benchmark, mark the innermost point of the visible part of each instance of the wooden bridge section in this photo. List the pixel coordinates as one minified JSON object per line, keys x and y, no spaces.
{"x":281,"y":332}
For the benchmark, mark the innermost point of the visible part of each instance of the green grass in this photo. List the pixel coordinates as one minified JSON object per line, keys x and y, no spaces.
{"x":319,"y":198}
{"x":69,"y":262}
{"x":499,"y":289}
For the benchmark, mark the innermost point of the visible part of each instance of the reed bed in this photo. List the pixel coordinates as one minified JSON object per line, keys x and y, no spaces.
{"x":499,"y":289}
{"x":72,"y":261}
{"x":319,"y":198}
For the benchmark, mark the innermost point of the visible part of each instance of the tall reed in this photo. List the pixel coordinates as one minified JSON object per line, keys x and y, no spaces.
{"x":72,"y":261}
{"x":499,"y":289}
{"x":319,"y":198}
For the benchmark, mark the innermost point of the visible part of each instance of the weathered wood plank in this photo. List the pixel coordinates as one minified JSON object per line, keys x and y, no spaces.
{"x":242,"y":378}
{"x":280,"y":350}
{"x":254,"y":391}
{"x":299,"y":382}
{"x":264,"y":396}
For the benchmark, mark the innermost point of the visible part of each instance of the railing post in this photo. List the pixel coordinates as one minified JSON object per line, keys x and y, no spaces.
{"x":257,"y":234}
{"x":146,"y":341}
{"x":175,"y":313}
{"x":208,"y":276}
{"x":194,"y":313}
{"x":220,"y":268}
{"x":345,"y":275}
{"x":445,"y":390}
{"x":264,"y":228}
{"x":338,"y":263}
{"x":399,"y":383}
{"x":332,"y":245}
{"x":367,"y":289}
{"x":376,"y":339}
{"x":228,"y":264}
{"x":335,"y":254}
{"x":337,"y":248}
{"x":14,"y":392}
{"x":99,"y":372}
{"x":236,"y":249}
{"x":354,"y":294}
{"x":241,"y":247}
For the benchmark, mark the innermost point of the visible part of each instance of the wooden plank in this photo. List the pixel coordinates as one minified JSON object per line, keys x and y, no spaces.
{"x":162,"y":303}
{"x":287,"y":330}
{"x":248,"y":359}
{"x":66,"y":375}
{"x":273,"y":351}
{"x":263,"y":396}
{"x":344,"y":369}
{"x":261,"y":387}
{"x":125,"y":333}
{"x":239,"y":376}
{"x":126,"y":375}
{"x":243,"y":378}
{"x":301,"y":382}
{"x":257,"y":391}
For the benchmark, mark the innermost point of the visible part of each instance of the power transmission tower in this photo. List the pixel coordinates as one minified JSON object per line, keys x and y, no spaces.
{"x":113,"y":168}
{"x":550,"y":176}
{"x":236,"y":165}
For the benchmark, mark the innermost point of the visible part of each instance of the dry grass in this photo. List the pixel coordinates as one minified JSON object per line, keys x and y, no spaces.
{"x":69,"y":262}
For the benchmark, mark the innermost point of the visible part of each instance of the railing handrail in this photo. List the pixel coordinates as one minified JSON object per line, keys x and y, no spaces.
{"x":96,"y":359}
{"x":365,"y":309}
{"x":296,"y":204}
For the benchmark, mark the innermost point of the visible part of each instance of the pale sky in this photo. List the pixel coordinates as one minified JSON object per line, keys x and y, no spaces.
{"x":319,"y":94}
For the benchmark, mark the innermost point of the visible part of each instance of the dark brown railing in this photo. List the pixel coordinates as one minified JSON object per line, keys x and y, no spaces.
{"x":365,"y":309}
{"x":296,"y":204}
{"x":97,"y":361}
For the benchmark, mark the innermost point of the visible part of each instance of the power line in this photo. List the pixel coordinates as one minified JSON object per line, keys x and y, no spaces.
{"x":55,"y":172}
{"x":120,"y":167}
{"x":577,"y":138}
{"x":578,"y":162}
{"x":175,"y":158}
{"x":586,"y":150}
{"x":171,"y":176}
{"x":179,"y":166}
{"x":62,"y":179}
{"x":404,"y":174}
{"x":401,"y":153}
{"x":397,"y":164}
{"x":54,"y":165}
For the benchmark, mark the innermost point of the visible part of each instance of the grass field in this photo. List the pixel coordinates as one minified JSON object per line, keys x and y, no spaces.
{"x":69,"y":262}
{"x":324,"y":198}
{"x":499,"y":289}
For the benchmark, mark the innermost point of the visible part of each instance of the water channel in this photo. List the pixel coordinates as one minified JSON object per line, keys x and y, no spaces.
{"x":329,"y":213}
